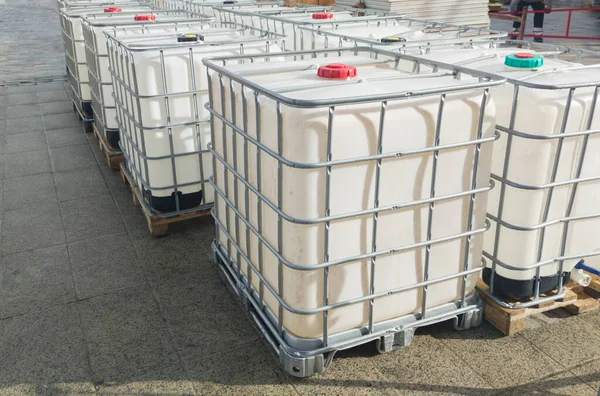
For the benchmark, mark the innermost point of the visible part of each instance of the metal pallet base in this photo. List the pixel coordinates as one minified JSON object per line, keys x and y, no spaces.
{"x":389,"y":336}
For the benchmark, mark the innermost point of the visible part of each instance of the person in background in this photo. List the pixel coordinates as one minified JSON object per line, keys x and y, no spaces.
{"x":517,"y":7}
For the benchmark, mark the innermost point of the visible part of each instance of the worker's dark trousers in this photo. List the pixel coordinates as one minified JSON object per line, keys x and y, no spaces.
{"x":538,"y":18}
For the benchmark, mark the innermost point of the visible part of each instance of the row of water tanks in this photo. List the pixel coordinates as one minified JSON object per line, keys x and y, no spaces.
{"x":364,"y":178}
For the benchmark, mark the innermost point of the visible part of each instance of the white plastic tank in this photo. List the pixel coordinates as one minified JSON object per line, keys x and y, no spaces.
{"x":298,"y":129}
{"x":288,"y":23}
{"x":548,"y":87}
{"x":75,"y":46}
{"x":408,"y":35}
{"x":94,"y":26}
{"x":250,"y":14}
{"x":94,"y":3}
{"x":162,"y":88}
{"x":208,"y":7}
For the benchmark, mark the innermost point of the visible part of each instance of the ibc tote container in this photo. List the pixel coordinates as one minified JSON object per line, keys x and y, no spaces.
{"x":287,"y":23}
{"x":94,"y":26}
{"x":350,"y":196}
{"x":395,"y":33}
{"x":94,"y":3}
{"x":207,"y":6}
{"x":75,"y":49}
{"x":249,"y":14}
{"x":160,"y":91}
{"x":545,"y":210}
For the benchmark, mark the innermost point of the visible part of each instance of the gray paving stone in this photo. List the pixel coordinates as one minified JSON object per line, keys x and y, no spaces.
{"x":71,"y":157}
{"x":562,"y":384}
{"x":63,"y":107}
{"x":590,"y":374}
{"x":28,"y":163}
{"x":25,"y":191}
{"x":113,"y":180}
{"x":485,"y":350}
{"x":353,"y":372}
{"x":132,"y":215}
{"x":79,"y":183}
{"x":66,"y":137}
{"x":168,"y":380}
{"x":583,"y":344}
{"x":22,"y":98}
{"x":52,"y":96}
{"x":91,"y":217}
{"x":251,"y":370}
{"x":61,"y":121}
{"x":35,"y":280}
{"x":194,"y":320}
{"x":20,"y":89}
{"x":103,"y":265}
{"x":126,"y":336}
{"x":51,"y":86}
{"x":20,"y":111}
{"x":426,"y":367}
{"x":25,"y":142}
{"x":24,"y":125}
{"x":46,"y":353}
{"x":32,"y":227}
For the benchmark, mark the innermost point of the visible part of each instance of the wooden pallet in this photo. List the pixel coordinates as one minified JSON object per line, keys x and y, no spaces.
{"x":114,"y":160}
{"x":510,"y":321}
{"x":159,"y":226}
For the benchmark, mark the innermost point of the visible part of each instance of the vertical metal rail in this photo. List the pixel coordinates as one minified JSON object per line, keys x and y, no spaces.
{"x":170,"y":134}
{"x":509,"y":138}
{"x":382,"y":113}
{"x":573,"y":194}
{"x":331,"y":113}
{"x":261,"y":288}
{"x":279,"y":218}
{"x":436,"y":154}
{"x":225,"y":155}
{"x":472,"y":197}
{"x":246,"y":189}
{"x":235,"y":167}
{"x":197,"y":125}
{"x":559,"y":145}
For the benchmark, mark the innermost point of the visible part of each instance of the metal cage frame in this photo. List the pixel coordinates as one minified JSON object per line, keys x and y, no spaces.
{"x":304,"y":357}
{"x":123,"y":71}
{"x":184,"y":20}
{"x":577,"y":55}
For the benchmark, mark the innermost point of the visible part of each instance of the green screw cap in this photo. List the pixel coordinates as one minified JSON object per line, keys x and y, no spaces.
{"x":524,"y":60}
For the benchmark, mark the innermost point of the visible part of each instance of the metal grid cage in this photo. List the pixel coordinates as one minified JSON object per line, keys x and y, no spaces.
{"x":580,"y":185}
{"x":134,"y":132}
{"x":74,"y":45}
{"x":97,"y":58}
{"x":279,"y":20}
{"x":301,"y":356}
{"x":438,"y":34}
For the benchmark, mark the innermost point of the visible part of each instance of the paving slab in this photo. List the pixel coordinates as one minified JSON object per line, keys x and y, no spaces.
{"x":564,"y":384}
{"x":589,"y":373}
{"x":66,"y":137}
{"x":32,"y":227}
{"x":126,"y":337}
{"x":45,"y":352}
{"x":487,"y":352}
{"x":27,"y":163}
{"x":23,"y":142}
{"x":34,"y":280}
{"x":91,"y":217}
{"x":103,"y":265}
{"x":79,"y":183}
{"x":23,"y":191}
{"x":71,"y":157}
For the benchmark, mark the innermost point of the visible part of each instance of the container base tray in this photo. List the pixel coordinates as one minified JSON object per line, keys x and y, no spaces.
{"x":114,"y":157}
{"x":84,"y":112}
{"x":158,"y":222}
{"x":576,"y":300}
{"x":306,"y":357}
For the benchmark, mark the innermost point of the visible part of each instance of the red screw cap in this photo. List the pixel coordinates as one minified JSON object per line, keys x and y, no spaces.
{"x":112,"y":9}
{"x":337,"y":71}
{"x":524,"y":55}
{"x":322,"y":15}
{"x":144,"y":18}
